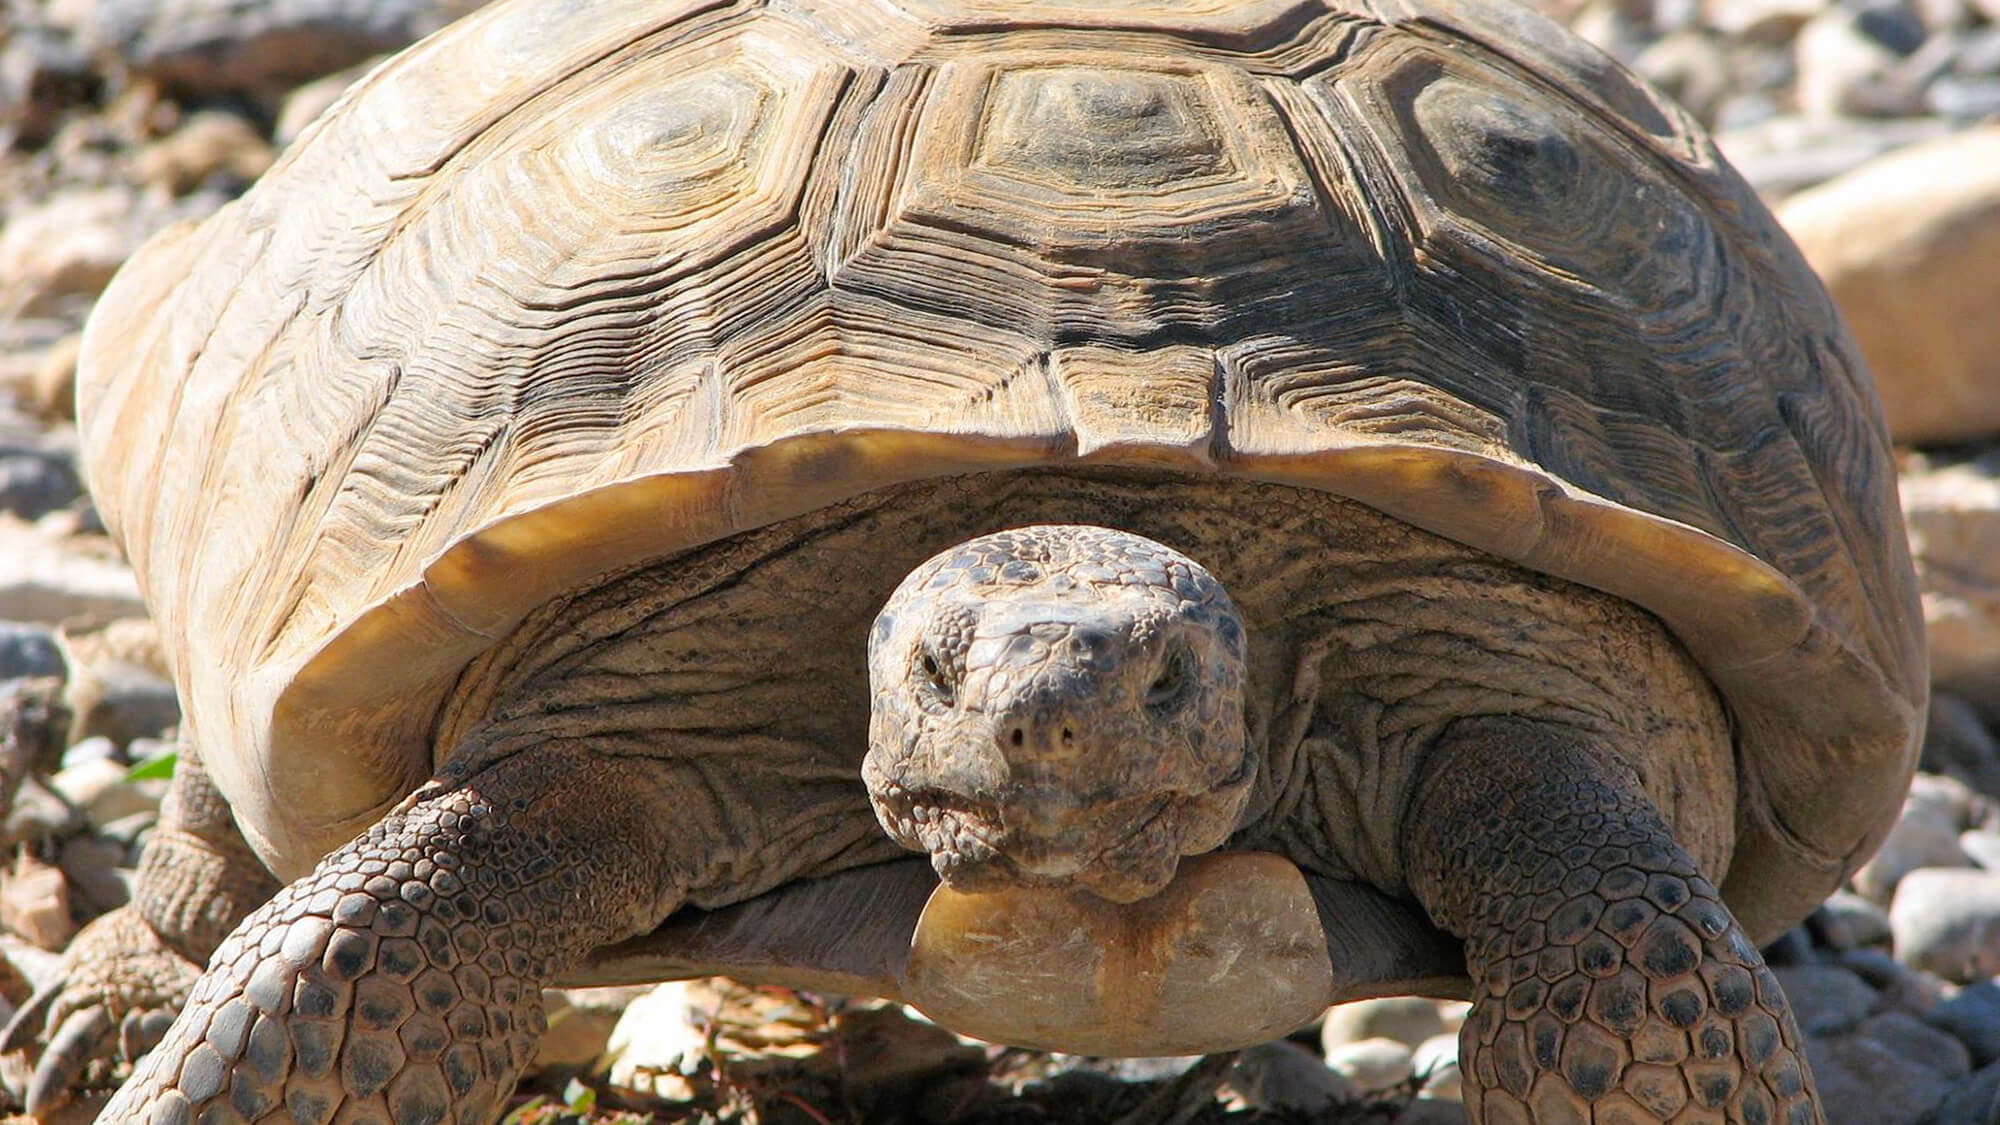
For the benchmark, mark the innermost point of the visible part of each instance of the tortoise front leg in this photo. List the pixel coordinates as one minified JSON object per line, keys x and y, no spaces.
{"x":126,"y":975}
{"x":400,"y":982}
{"x":1610,"y":983}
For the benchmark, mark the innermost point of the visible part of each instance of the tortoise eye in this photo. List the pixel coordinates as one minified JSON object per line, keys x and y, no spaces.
{"x":935,"y":675}
{"x":1170,"y":688}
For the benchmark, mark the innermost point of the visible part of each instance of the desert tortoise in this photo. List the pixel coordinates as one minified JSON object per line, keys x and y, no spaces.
{"x":1381,"y":442}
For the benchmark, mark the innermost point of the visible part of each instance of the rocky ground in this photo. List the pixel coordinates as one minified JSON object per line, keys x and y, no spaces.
{"x":120,"y":116}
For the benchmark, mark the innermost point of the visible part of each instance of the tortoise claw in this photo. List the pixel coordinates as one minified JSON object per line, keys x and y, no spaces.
{"x":70,"y":1050}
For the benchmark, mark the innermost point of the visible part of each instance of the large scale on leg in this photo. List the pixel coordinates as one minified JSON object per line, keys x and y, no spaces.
{"x":1464,"y":559}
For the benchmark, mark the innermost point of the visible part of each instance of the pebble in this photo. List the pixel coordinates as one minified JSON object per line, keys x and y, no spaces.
{"x":34,"y":903}
{"x":27,"y":650}
{"x":1976,"y":1101}
{"x":1948,"y":922}
{"x":1924,"y":836}
{"x":1973,"y":1015}
{"x":1912,"y":1038}
{"x":1847,"y":57}
{"x":256,"y":48}
{"x":1848,"y":921}
{"x":655,"y":1046}
{"x":94,"y":868}
{"x":1407,"y":1019}
{"x":1982,"y":847}
{"x":1870,"y":1083}
{"x":1826,"y":999}
{"x":1435,"y":1061}
{"x":99,"y":788}
{"x":1284,"y":1077}
{"x":209,"y":146}
{"x":47,"y":580}
{"x":304,"y":105}
{"x":1432,"y":1111}
{"x":1958,"y":745}
{"x":1373,"y":1065}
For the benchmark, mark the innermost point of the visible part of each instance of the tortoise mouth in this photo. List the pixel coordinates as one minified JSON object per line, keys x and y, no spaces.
{"x":1121,"y":849}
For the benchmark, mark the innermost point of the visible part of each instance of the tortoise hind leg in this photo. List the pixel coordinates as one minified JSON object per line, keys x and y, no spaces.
{"x":400,"y":982}
{"x":1610,"y":982}
{"x":126,"y":974}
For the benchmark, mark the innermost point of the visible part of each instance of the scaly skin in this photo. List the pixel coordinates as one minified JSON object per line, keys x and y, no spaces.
{"x":1611,"y":984}
{"x":400,"y":982}
{"x":126,"y":975}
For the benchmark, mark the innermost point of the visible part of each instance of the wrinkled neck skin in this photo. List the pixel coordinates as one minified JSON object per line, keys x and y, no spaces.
{"x":1363,"y":637}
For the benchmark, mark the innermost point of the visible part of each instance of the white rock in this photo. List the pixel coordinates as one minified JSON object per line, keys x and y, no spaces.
{"x":653,"y":1041}
{"x":67,"y":247}
{"x":1982,"y":846}
{"x":99,"y":788}
{"x":1407,"y":1019}
{"x":1948,"y":922}
{"x":580,"y":1024}
{"x":1436,"y":1059}
{"x":45,"y":580}
{"x":1373,"y":1065}
{"x":1844,"y":69}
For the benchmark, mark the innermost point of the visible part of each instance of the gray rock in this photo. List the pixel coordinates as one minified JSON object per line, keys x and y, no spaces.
{"x":92,"y":865}
{"x":1407,"y":1019}
{"x":1783,"y":154}
{"x":1973,"y":1015}
{"x":1826,"y":999}
{"x":1282,"y":1076}
{"x":258,"y":48}
{"x":1976,"y":1101}
{"x":28,"y":649}
{"x":1896,"y":985}
{"x":1948,"y":922}
{"x":1919,"y":1042}
{"x":35,"y":482}
{"x":1871,"y":1083}
{"x":1848,"y":921}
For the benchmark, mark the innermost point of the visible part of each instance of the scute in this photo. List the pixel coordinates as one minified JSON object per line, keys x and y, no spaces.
{"x":531,"y":308}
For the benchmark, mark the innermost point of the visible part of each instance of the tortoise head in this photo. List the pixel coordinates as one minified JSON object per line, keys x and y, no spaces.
{"x":1058,"y":706}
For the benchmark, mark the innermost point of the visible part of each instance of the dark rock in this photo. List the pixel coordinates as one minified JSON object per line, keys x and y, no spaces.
{"x":1973,"y":1015}
{"x":28,"y":649}
{"x":1826,"y":999}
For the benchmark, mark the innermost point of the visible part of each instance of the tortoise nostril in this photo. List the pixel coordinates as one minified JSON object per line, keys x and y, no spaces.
{"x":1068,"y":736}
{"x":1017,"y":736}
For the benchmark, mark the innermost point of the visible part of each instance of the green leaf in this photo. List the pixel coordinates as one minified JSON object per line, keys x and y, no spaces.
{"x":159,"y":765}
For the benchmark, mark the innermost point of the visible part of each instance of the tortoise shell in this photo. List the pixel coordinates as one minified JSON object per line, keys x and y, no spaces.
{"x":578,"y":283}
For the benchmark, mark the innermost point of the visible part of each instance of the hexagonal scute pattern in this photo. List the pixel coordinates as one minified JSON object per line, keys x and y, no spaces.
{"x":1611,"y":985}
